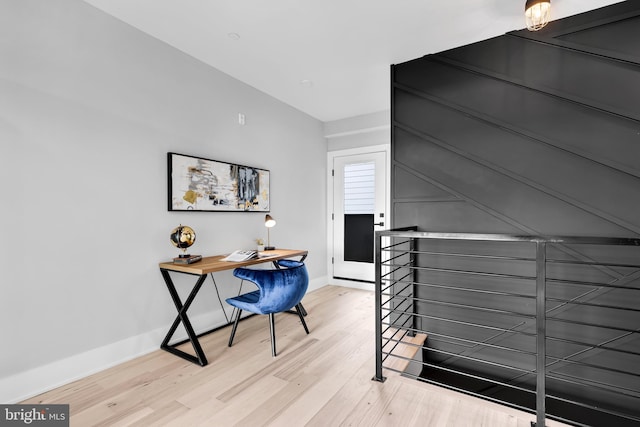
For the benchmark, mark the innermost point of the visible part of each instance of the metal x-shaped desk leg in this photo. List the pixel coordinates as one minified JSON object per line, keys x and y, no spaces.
{"x":200,"y":358}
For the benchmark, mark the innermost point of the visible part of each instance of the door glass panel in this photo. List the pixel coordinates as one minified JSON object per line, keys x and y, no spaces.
{"x":358,"y":237}
{"x":359,"y":205}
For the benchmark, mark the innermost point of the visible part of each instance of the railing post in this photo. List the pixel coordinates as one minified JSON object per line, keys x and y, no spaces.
{"x":541,"y":332}
{"x":412,"y":257}
{"x":378,"y":302}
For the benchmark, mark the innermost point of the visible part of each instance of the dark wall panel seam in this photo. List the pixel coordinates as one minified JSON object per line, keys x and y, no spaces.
{"x":466,"y":198}
{"x":484,"y":208}
{"x":550,"y":36}
{"x":583,"y":49}
{"x":492,"y":121}
{"x":602,"y":108}
{"x":595,"y":18}
{"x":427,"y":200}
{"x":525,"y":181}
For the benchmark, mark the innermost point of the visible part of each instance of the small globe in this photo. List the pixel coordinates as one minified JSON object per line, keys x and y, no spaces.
{"x":182,"y":237}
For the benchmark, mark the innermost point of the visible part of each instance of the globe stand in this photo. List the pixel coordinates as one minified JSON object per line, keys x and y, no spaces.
{"x":182,"y":237}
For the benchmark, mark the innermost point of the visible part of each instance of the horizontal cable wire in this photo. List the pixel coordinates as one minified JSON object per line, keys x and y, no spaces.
{"x":400,"y":302}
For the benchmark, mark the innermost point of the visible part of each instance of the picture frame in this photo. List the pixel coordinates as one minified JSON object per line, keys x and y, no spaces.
{"x":205,"y":185}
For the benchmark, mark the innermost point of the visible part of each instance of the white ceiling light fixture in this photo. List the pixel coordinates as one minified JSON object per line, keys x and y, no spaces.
{"x":537,"y":14}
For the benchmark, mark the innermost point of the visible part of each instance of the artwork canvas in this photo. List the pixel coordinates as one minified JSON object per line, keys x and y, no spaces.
{"x":198,"y":184}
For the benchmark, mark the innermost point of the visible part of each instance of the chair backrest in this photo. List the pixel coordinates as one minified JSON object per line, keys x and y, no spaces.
{"x":280,"y":289}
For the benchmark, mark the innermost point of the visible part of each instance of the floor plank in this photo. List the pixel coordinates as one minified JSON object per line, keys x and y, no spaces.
{"x":321,"y":379}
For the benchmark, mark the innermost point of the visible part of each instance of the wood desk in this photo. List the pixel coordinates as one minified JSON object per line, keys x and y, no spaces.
{"x":201,"y":269}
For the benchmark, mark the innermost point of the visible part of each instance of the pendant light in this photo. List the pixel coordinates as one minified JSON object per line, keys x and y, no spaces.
{"x":537,"y":13}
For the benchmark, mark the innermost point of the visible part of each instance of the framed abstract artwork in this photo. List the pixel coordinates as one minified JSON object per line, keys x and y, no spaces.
{"x":197,"y":184}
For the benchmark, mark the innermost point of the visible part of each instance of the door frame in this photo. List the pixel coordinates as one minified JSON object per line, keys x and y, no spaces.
{"x":331,"y":155}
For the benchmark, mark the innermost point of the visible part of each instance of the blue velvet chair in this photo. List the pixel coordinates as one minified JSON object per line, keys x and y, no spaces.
{"x":278,"y":290}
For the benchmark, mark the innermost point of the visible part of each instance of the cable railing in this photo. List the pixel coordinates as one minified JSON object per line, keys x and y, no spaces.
{"x":549,"y":325}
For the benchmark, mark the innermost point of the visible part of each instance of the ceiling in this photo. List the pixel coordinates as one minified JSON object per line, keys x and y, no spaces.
{"x":328,"y":58}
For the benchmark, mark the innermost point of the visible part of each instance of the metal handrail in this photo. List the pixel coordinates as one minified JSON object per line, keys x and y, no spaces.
{"x":402,"y":249}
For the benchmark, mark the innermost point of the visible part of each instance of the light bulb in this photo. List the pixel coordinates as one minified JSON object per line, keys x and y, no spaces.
{"x":537,"y":14}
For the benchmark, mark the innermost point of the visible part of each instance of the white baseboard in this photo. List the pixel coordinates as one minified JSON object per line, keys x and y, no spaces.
{"x":317,"y":283}
{"x":24,"y":385}
{"x":352,"y":284}
{"x":38,"y":380}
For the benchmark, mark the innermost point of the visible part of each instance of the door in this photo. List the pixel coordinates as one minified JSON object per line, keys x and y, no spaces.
{"x":359,"y":209}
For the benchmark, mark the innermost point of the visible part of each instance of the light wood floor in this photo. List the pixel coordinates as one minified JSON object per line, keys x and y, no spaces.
{"x":321,"y":379}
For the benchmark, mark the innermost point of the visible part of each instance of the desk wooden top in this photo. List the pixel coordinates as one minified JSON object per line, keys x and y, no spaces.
{"x":215,"y":263}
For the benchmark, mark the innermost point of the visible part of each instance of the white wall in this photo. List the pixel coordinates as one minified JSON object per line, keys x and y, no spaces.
{"x":89,"y":107}
{"x":360,"y":131}
{"x":351,"y":136}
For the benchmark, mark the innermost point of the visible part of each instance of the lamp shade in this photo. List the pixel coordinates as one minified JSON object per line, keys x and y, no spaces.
{"x":537,"y":13}
{"x":269,"y":221}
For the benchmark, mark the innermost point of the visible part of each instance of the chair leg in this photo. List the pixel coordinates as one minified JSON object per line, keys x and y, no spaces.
{"x":300,"y":310}
{"x":272,"y":328}
{"x":235,"y":326}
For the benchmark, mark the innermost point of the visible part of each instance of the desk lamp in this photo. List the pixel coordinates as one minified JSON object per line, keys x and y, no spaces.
{"x":269,"y":222}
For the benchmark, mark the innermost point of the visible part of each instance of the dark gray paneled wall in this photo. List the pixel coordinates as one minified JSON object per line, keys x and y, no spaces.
{"x":527,"y":133}
{"x":521,"y":134}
